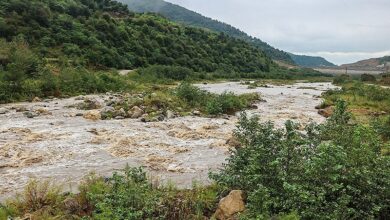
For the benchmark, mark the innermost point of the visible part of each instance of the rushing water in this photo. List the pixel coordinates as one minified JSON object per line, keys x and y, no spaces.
{"x":64,"y":148}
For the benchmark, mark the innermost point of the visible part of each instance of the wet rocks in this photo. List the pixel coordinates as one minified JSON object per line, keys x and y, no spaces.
{"x":3,"y":111}
{"x":93,"y":115}
{"x":170,"y":114}
{"x":31,"y":114}
{"x":43,"y":111}
{"x":135,"y":112}
{"x":36,"y":99}
{"x":107,"y":112}
{"x":230,"y":205}
{"x":20,"y":108}
{"x":326,"y":112}
{"x":89,"y":104}
{"x":196,"y":113}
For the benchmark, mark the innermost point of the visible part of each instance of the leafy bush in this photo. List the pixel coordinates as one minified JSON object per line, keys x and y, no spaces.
{"x":213,"y":104}
{"x":333,"y":171}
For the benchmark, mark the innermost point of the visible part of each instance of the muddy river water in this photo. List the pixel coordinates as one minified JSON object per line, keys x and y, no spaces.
{"x":60,"y":146}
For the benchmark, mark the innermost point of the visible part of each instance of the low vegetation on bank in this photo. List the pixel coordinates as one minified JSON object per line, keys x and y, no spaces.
{"x":332,"y":171}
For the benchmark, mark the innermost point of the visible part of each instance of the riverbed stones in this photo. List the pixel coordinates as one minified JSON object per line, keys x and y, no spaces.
{"x":36,"y":99}
{"x":135,"y":112}
{"x":31,"y":114}
{"x":93,"y":115}
{"x":170,"y":114}
{"x":230,"y":205}
{"x":89,"y":104}
{"x":196,"y":113}
{"x":3,"y":111}
{"x":326,"y":112}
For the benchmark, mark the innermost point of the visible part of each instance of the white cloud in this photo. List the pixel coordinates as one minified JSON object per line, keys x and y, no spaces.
{"x":308,"y":26}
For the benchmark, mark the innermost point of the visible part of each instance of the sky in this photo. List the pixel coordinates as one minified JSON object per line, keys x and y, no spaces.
{"x":342,"y":31}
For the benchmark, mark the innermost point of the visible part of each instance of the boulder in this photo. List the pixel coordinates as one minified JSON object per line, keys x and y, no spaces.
{"x":36,"y":99}
{"x":31,"y":114}
{"x":196,"y":113}
{"x":107,"y":112}
{"x":120,"y":113}
{"x":170,"y":114}
{"x":43,"y":111}
{"x":135,"y":112}
{"x":89,"y":104}
{"x":3,"y":111}
{"x":21,"y":108}
{"x":93,"y":115}
{"x":230,"y":205}
{"x":326,"y":112}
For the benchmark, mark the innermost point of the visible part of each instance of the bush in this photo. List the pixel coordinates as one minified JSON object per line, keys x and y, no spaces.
{"x":333,"y":171}
{"x":213,"y":104}
{"x":367,"y":78}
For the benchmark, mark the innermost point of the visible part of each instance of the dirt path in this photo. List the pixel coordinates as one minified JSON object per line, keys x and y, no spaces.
{"x":62,"y":146}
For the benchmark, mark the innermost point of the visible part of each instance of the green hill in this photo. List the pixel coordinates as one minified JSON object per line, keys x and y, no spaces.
{"x":188,"y":17}
{"x":185,"y":16}
{"x":105,"y":34}
{"x":310,"y":61}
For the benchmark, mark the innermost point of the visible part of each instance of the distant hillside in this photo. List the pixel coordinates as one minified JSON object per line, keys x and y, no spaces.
{"x":369,"y":64}
{"x":310,"y":61}
{"x":188,"y":17}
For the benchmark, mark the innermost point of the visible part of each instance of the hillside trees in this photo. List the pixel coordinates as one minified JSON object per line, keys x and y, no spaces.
{"x":104,"y":34}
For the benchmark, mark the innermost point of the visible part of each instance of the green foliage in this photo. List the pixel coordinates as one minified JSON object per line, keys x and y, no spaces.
{"x":342,"y":79}
{"x":23,"y":77}
{"x":365,"y":100}
{"x":382,"y":126}
{"x":367,"y":78}
{"x":333,"y":171}
{"x":185,"y":16}
{"x":309,"y":61}
{"x":212,"y":104}
{"x":105,"y":34}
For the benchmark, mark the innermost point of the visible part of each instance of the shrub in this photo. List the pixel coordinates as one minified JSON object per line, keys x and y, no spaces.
{"x":367,"y":78}
{"x":333,"y":171}
{"x":191,"y":94}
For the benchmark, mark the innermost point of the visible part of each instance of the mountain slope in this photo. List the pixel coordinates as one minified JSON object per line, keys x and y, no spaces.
{"x":188,"y":17}
{"x":370,"y":64}
{"x":105,"y":34}
{"x":310,"y":61}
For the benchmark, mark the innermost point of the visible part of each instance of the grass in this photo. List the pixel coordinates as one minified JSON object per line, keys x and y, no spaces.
{"x":125,"y":195}
{"x":365,"y":101}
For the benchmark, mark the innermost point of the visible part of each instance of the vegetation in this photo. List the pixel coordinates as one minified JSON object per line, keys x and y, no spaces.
{"x":366,"y":101}
{"x":104,"y":34}
{"x":126,"y":195}
{"x":309,"y":61}
{"x":24,"y":76}
{"x":182,"y":15}
{"x":332,"y":171}
{"x":212,"y":104}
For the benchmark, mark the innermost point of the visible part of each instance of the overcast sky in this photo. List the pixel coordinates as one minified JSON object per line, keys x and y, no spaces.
{"x":342,"y":31}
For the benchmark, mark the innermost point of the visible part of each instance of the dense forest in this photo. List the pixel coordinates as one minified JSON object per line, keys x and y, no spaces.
{"x":105,"y":34}
{"x":185,"y":16}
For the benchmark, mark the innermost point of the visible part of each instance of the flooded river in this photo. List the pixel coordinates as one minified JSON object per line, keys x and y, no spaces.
{"x":61,"y":146}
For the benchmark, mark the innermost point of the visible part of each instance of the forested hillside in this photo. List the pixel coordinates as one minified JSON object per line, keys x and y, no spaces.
{"x":185,"y":16}
{"x":309,"y":61}
{"x":101,"y":33}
